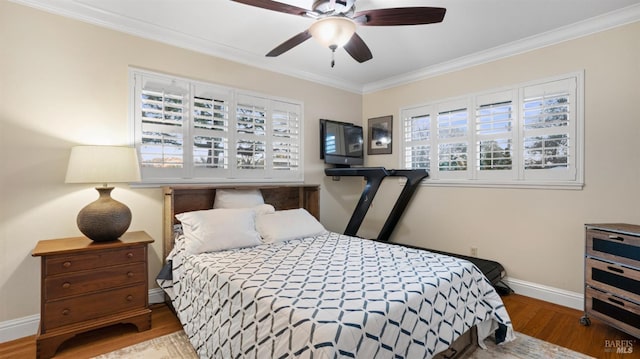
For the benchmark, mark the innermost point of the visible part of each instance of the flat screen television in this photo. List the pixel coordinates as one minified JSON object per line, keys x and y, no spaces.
{"x":341,"y":143}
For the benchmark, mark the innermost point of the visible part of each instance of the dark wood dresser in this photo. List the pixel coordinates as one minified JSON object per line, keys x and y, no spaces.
{"x":612,"y":276}
{"x":87,"y":285}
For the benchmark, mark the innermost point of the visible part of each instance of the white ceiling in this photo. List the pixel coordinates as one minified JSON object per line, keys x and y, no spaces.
{"x":473,"y":31}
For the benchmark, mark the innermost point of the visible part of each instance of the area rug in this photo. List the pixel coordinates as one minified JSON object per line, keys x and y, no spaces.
{"x":177,"y":346}
{"x":171,"y":346}
{"x":525,"y":347}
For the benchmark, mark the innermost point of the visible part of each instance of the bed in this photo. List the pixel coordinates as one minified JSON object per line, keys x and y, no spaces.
{"x":311,"y":293}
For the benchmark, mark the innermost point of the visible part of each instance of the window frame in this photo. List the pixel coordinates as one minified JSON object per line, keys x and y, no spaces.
{"x":286,"y":112}
{"x":517,"y":176}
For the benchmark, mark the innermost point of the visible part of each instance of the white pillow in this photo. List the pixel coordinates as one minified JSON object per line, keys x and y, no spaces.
{"x":263,"y":209}
{"x":286,"y":225}
{"x":219,"y":229}
{"x":237,"y":198}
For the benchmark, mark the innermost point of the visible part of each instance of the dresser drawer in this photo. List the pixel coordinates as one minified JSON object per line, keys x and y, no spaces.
{"x":615,"y":247}
{"x":91,"y":306}
{"x":64,"y":285}
{"x":618,"y":312}
{"x":93,"y":259}
{"x":613,"y":278}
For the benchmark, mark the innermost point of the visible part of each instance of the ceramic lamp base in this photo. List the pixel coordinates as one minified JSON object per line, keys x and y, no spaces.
{"x":104,"y":219}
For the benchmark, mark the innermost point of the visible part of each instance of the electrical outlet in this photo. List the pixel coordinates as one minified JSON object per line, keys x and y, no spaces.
{"x":474,"y":251}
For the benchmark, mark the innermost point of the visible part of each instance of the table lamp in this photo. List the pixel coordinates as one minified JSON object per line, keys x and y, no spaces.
{"x":104,"y":219}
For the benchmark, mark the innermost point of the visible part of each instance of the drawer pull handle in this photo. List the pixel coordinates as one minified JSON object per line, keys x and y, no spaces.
{"x":130,"y":274}
{"x":129,"y":298}
{"x":617,"y":238}
{"x":129,"y":255}
{"x":614,"y":269}
{"x":66,"y":311}
{"x":615,"y":301}
{"x":66,"y":264}
{"x":66,"y":285}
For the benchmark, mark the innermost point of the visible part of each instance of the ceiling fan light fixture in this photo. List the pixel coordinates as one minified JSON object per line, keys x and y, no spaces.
{"x":333,"y":31}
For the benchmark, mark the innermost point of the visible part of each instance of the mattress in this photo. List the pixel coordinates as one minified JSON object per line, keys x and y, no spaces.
{"x":493,"y":270}
{"x":330,"y":296}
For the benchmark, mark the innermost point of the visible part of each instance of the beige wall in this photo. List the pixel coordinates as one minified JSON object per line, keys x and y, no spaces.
{"x":538,"y":235}
{"x":64,"y":82}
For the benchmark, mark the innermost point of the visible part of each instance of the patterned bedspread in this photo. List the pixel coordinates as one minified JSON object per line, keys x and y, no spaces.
{"x":331,"y":296}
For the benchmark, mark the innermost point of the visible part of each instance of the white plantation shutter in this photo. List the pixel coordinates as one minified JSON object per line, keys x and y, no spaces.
{"x":268,"y":138}
{"x":285,"y":138}
{"x":210,"y":131}
{"x":250,"y":146}
{"x":190,"y":131}
{"x":162,"y":106}
{"x":527,"y":135}
{"x":494,"y":136}
{"x":417,"y":138}
{"x":548,"y":116}
{"x":453,"y":140}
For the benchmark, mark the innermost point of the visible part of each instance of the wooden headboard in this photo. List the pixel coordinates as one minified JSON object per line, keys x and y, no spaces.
{"x":179,"y":199}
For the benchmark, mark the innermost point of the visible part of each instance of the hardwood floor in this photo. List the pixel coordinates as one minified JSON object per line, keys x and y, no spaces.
{"x":99,"y":341}
{"x":546,"y":321}
{"x":561,"y":325}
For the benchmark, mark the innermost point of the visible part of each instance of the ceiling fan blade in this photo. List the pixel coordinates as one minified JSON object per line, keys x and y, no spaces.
{"x":358,"y":49}
{"x":402,"y":16}
{"x":290,"y":44}
{"x":275,"y":6}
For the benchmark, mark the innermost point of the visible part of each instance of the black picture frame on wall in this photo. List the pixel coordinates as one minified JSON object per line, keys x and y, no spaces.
{"x":380,"y":135}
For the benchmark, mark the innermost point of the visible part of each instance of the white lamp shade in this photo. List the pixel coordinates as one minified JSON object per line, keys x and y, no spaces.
{"x":334,"y":30}
{"x":103,"y":164}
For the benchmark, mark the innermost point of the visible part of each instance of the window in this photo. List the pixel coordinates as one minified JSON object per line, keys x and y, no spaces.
{"x":527,"y":135}
{"x":494,"y":136}
{"x":188,"y":132}
{"x":452,"y":123}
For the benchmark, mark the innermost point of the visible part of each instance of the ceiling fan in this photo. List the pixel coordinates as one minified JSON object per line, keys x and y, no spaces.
{"x":336,"y":21}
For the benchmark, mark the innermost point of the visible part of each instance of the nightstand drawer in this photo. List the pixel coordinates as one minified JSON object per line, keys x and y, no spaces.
{"x":65,"y":285}
{"x":615,"y":247}
{"x":94,"y":259}
{"x":81,"y":308}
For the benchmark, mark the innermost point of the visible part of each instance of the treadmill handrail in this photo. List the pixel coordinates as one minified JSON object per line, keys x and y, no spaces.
{"x":374,"y":177}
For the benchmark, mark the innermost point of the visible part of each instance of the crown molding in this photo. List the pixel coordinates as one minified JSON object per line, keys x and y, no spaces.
{"x":580,"y":29}
{"x":146,"y":30}
{"x":97,"y":16}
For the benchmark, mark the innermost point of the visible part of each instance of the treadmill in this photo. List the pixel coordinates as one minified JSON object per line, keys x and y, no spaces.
{"x":374,"y":176}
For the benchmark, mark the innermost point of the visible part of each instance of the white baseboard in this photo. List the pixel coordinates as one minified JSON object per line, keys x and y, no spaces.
{"x":26,"y":326}
{"x":548,"y":294}
{"x":156,"y":295}
{"x":19,"y":328}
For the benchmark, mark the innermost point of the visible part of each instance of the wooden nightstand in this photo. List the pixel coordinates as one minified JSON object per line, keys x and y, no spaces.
{"x":87,"y":285}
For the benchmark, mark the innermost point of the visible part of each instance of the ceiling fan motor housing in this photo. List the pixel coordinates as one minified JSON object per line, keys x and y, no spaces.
{"x":334,"y":7}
